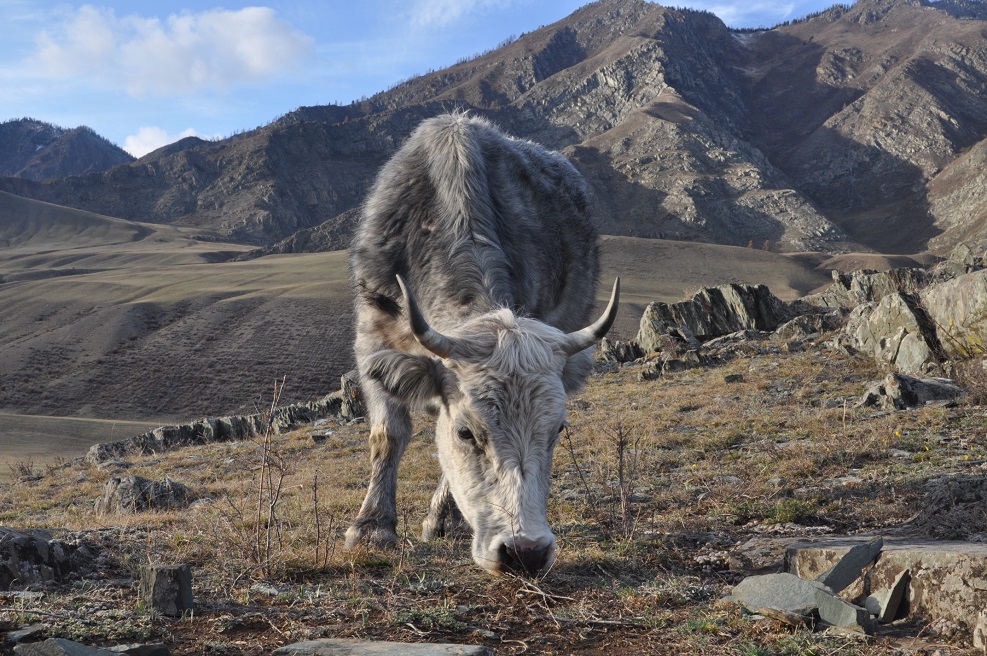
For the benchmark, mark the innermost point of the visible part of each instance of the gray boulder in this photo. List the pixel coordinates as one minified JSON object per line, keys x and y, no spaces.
{"x":900,"y":391}
{"x":783,"y":591}
{"x":34,"y":557}
{"x":134,"y":494}
{"x":712,"y":312}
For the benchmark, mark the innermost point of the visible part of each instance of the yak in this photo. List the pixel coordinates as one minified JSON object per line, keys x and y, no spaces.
{"x":474,"y":268}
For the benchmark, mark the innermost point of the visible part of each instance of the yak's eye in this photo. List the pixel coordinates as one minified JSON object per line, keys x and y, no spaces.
{"x":464,"y":434}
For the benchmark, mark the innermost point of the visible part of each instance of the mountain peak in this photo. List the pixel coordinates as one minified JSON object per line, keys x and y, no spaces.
{"x":37,"y":150}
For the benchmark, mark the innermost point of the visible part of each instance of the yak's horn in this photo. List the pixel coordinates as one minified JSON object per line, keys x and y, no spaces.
{"x":431,"y":339}
{"x":591,"y":334}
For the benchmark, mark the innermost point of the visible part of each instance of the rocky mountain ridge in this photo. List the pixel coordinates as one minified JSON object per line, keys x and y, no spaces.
{"x":36,"y":150}
{"x":856,"y":128}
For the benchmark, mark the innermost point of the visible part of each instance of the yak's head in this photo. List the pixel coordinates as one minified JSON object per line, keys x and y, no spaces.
{"x":498,"y":384}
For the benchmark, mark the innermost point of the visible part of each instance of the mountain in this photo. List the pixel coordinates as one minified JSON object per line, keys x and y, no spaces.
{"x":860,"y":127}
{"x":41,"y":151}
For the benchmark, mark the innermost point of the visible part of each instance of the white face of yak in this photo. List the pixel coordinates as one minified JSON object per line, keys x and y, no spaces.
{"x":499,"y":383}
{"x":495,"y":436}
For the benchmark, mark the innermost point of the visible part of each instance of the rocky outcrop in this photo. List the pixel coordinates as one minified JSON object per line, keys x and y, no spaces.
{"x":712,"y":312}
{"x":945,"y":582}
{"x":868,"y":286}
{"x":894,"y":331}
{"x":957,"y":309}
{"x":216,"y":429}
{"x":35,"y":557}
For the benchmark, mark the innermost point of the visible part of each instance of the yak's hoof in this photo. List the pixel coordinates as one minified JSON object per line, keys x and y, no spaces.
{"x":369,"y":534}
{"x":440,"y":527}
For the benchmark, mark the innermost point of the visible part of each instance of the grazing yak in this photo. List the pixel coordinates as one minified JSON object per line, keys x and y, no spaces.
{"x":474,"y":268}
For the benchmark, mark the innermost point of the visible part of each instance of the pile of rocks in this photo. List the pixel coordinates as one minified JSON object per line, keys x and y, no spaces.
{"x":916,"y":323}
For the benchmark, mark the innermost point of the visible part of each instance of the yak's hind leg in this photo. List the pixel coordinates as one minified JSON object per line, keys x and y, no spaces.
{"x":390,"y":432}
{"x":443,"y":514}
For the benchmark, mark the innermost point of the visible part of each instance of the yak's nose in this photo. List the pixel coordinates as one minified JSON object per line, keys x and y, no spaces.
{"x":524,"y":557}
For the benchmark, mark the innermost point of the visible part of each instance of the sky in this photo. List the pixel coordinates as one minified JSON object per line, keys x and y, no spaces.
{"x":144,"y":74}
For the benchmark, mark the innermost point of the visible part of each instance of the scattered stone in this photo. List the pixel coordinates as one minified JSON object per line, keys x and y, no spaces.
{"x":58,"y":647}
{"x":851,"y":565}
{"x":27,"y":633}
{"x":166,"y":588}
{"x":886,"y":603}
{"x":783,"y":591}
{"x":154,"y":649}
{"x":216,"y":429}
{"x":834,"y":611}
{"x":134,"y":494}
{"x":899,"y":391}
{"x":344,"y":647}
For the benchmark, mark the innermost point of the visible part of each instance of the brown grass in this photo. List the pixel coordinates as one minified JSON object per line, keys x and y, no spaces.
{"x":645,"y":547}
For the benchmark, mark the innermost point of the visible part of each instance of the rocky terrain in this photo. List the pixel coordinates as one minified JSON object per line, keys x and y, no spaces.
{"x":40,"y":151}
{"x":858,"y":126}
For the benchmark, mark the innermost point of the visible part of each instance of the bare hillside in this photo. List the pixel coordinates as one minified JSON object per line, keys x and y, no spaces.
{"x":857,"y":128}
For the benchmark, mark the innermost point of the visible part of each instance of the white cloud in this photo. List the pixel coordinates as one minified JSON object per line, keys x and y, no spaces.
{"x":184,"y":54}
{"x":152,"y":138}
{"x":425,"y":13}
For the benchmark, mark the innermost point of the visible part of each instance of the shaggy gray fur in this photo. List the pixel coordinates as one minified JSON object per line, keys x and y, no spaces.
{"x":494,"y":239}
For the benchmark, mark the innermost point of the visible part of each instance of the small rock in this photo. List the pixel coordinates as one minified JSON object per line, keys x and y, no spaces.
{"x":166,"y":588}
{"x":885,"y":604}
{"x":733,"y":378}
{"x":154,"y":649}
{"x":837,"y":612}
{"x":266,"y":589}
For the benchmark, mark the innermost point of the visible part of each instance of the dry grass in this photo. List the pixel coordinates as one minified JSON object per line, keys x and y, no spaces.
{"x":646,"y":548}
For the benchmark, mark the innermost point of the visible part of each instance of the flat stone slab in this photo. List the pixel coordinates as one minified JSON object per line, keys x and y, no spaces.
{"x":343,"y":647}
{"x":947,"y":580}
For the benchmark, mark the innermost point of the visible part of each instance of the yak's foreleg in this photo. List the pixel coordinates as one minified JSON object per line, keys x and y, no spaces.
{"x":390,"y":432}
{"x":443,"y":514}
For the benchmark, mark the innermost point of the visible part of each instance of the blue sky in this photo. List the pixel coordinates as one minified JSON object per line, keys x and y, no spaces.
{"x":143,"y":74}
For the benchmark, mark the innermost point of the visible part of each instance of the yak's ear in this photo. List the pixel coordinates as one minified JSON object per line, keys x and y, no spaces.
{"x":419,"y":380}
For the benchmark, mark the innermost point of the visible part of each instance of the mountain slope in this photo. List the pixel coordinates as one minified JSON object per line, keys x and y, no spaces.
{"x":824,"y":134}
{"x":40,"y":151}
